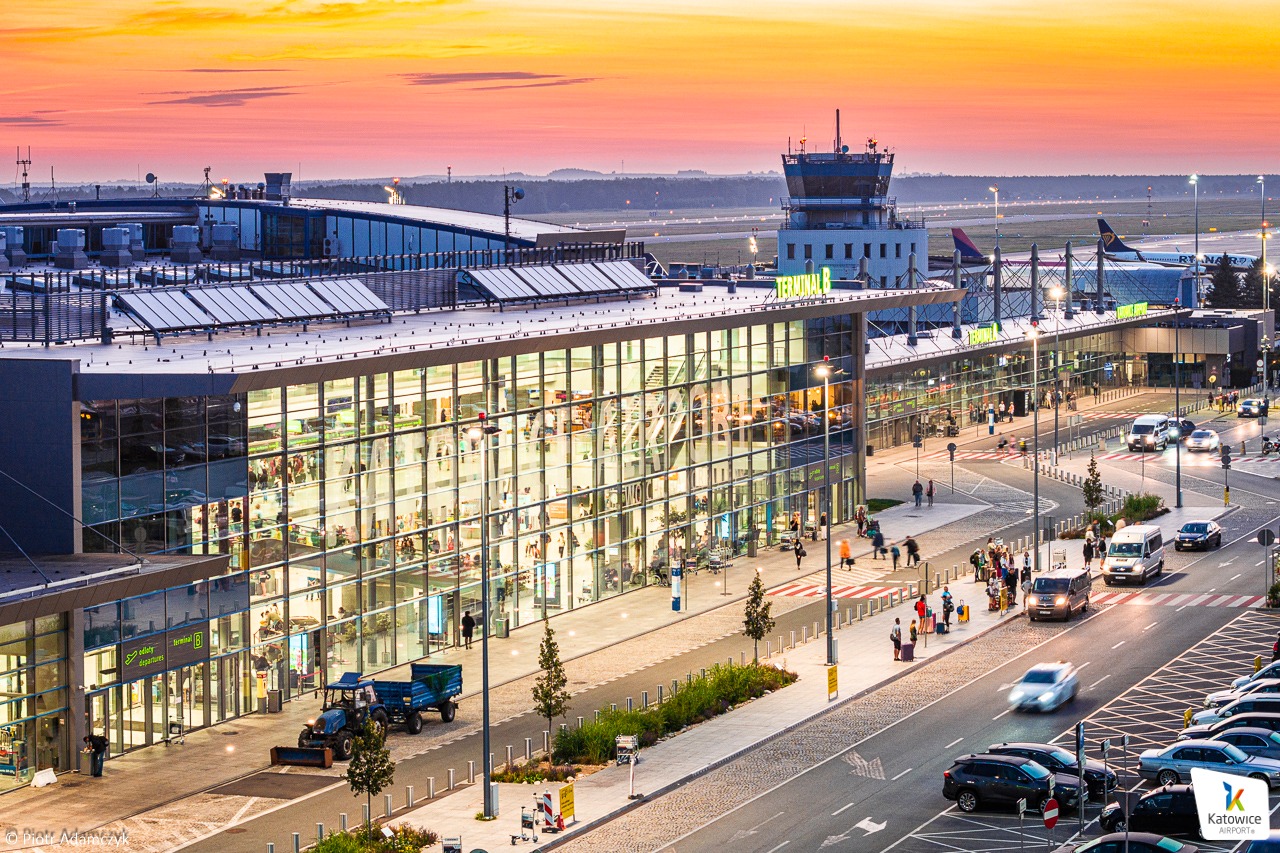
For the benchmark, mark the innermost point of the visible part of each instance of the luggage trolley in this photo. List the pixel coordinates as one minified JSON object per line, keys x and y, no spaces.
{"x":1058,"y":559}
{"x":528,"y":827}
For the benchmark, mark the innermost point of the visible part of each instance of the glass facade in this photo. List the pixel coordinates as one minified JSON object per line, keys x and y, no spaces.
{"x":351,"y":508}
{"x":34,"y":721}
{"x":902,"y":401}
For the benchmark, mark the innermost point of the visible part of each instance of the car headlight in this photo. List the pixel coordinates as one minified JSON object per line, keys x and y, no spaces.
{"x":1045,"y":697}
{"x":1032,"y":600}
{"x":1062,"y":599}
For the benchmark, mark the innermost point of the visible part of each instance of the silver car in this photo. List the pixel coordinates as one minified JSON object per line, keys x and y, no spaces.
{"x":1173,"y":764}
{"x":1271,"y":670}
{"x":1250,"y":703}
{"x":1203,"y":439}
{"x":1045,"y":687}
{"x":1226,"y":697}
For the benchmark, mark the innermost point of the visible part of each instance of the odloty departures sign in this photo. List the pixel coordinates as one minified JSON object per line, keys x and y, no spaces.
{"x":803,"y":286}
{"x":158,"y":652}
{"x":1128,"y":312}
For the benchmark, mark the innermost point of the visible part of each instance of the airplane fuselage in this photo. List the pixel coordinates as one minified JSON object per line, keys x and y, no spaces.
{"x":1239,"y":263}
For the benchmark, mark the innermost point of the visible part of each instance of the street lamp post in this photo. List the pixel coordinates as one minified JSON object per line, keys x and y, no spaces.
{"x":483,"y":432}
{"x":510,"y":195}
{"x":1035,"y":443}
{"x":1266,"y":279}
{"x":1195,"y":186}
{"x":1057,"y":294}
{"x":824,"y":370}
{"x":1177,"y":397}
{"x":995,"y":188}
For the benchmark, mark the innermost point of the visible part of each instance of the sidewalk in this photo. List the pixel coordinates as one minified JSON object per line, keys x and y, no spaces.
{"x":866,"y":662}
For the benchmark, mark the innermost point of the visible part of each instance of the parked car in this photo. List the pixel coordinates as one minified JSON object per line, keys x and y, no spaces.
{"x":1248,"y":704}
{"x":1261,"y":742}
{"x":1134,"y":842}
{"x":1203,"y":440}
{"x":1201,"y":535}
{"x":1170,"y":809}
{"x":1173,"y":764}
{"x":1099,"y":779}
{"x":987,"y":780}
{"x":1226,"y":697}
{"x":1253,"y":407}
{"x":1045,"y":687}
{"x":1253,"y":719}
{"x":1271,"y":670}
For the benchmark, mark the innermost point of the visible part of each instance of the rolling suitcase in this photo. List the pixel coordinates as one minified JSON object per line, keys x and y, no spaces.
{"x":908,"y":651}
{"x":941,"y":628}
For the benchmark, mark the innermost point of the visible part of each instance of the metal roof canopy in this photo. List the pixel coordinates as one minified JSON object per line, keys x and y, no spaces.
{"x":165,"y":311}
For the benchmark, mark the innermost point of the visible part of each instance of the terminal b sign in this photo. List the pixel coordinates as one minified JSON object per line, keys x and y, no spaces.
{"x":803,"y":286}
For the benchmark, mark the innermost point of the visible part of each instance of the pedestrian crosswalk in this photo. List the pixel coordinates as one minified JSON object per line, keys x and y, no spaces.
{"x":802,"y":589}
{"x":1207,"y":458}
{"x":1174,"y":599}
{"x":971,"y":454}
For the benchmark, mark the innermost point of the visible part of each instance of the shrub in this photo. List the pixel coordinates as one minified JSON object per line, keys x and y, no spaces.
{"x":534,"y":772}
{"x":404,"y":839}
{"x":1141,"y":507}
{"x":694,"y":702}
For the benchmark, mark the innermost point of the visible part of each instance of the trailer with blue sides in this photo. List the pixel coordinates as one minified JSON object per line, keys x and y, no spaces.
{"x":430,"y":686}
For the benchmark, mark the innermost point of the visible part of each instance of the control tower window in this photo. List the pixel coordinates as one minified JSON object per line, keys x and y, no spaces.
{"x":866,"y":250}
{"x":913,"y":248}
{"x":848,"y":251}
{"x":897,"y":250}
{"x":791,"y":251}
{"x":883,"y":250}
{"x":831,"y":251}
{"x":808,"y":251}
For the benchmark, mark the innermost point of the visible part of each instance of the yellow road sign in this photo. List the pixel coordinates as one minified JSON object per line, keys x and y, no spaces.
{"x":566,"y":801}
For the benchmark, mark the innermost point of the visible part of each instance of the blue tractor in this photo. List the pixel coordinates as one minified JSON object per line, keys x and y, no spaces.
{"x":348,"y":703}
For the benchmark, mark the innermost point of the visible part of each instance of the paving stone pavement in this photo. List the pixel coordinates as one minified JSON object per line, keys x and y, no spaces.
{"x":661,"y":823}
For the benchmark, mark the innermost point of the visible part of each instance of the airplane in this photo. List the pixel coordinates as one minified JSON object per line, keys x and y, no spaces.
{"x":968,"y":251}
{"x":1115,"y":249}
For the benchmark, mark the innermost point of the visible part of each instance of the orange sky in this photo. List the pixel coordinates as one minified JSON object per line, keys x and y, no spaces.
{"x":103,"y":90}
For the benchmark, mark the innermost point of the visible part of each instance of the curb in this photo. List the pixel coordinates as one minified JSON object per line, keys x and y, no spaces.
{"x":609,"y":817}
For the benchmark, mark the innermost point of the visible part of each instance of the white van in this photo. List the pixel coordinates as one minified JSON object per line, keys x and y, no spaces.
{"x":1149,"y":432}
{"x":1134,"y":553}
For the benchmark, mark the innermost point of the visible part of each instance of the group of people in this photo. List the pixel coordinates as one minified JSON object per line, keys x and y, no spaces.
{"x":998,"y":567}
{"x":1223,"y":402}
{"x":921,"y":623}
{"x":919,"y":492}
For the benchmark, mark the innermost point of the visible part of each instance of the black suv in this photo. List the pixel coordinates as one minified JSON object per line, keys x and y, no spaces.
{"x":1098,"y":778}
{"x":1004,"y":779}
{"x":1170,"y":810}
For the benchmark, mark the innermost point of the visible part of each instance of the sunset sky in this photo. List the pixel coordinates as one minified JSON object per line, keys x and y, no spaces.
{"x":105,"y":90}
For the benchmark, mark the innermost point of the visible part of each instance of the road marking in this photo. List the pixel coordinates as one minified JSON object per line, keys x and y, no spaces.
{"x":842,"y":808}
{"x":1001,"y":714}
{"x":1182,"y":608}
{"x":1228,"y":562}
{"x":900,"y":775}
{"x":953,"y":743}
{"x":1083,"y":665}
{"x":779,"y":847}
{"x":1212,"y":588}
{"x":1259,"y":563}
{"x":1117,"y":645}
{"x":1152,"y":625}
{"x":1236,"y":575}
{"x":1099,"y":681}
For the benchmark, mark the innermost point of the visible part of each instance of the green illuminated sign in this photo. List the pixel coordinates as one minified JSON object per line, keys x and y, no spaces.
{"x":803,"y":286}
{"x":985,"y":334}
{"x":1128,"y":312}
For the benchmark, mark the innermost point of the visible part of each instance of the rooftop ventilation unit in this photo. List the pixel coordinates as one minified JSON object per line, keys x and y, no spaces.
{"x":277,"y":188}
{"x":185,"y":246}
{"x":226,"y":243}
{"x":136,"y":247}
{"x":4,"y":260}
{"x":14,"y":238}
{"x":69,"y":254}
{"x":115,"y":248}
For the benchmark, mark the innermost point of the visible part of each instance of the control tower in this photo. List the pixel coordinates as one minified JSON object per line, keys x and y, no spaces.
{"x":839,"y":211}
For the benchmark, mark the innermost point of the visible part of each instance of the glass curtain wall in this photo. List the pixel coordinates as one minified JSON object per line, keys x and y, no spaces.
{"x":34,"y":722}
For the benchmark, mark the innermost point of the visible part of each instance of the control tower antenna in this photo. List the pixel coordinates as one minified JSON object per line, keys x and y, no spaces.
{"x":23,"y":164}
{"x":837,"y":131}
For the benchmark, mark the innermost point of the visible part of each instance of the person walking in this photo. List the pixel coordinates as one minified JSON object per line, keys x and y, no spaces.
{"x":895,"y":637}
{"x":928,"y":492}
{"x":846,"y":555}
{"x":917,"y":492}
{"x":97,"y":747}
{"x":801,"y":553}
{"x":1088,"y":554}
{"x":895,"y":553}
{"x":913,"y":551}
{"x":468,"y":628}
{"x":877,"y":545}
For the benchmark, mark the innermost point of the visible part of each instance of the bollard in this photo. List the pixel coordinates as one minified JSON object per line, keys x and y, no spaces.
{"x":597,"y":712}
{"x":297,"y":843}
{"x":859,"y":611}
{"x":688,"y":678}
{"x":450,"y":788}
{"x":408,"y":796}
{"x":702,"y":673}
{"x":742,"y":661}
{"x":659,"y":694}
{"x":613,"y":706}
{"x":509,"y":764}
{"x":804,"y":634}
{"x":644,"y":699}
{"x":471,"y":772}
{"x":431,"y":794}
{"x":528,"y":749}
{"x":271,"y":847}
{"x":546,"y":741}
{"x":1257,"y":663}
{"x":675,"y":686}
{"x":768,"y":649}
{"x":580,"y":719}
{"x":387,"y":803}
{"x":365,"y":807}
{"x":793,"y":638}
{"x":342,"y":821}
{"x":871,"y":604}
{"x":630,"y":705}
{"x":319,"y":832}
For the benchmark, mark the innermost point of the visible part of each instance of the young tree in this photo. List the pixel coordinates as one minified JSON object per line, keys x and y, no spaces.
{"x":550,"y":693}
{"x":1252,"y":286}
{"x":1225,"y":286}
{"x":1091,"y":490}
{"x":757,"y":621}
{"x":371,"y":770}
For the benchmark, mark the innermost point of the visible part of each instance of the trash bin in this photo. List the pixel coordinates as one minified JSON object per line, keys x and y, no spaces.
{"x":501,"y":627}
{"x":274,"y":701}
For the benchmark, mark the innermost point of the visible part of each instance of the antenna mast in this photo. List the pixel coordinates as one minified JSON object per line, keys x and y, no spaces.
{"x":837,"y":131}
{"x":26,"y":183}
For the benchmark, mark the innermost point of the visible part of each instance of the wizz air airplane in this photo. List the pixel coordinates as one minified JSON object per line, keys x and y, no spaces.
{"x":969,"y":253}
{"x":1115,"y":249}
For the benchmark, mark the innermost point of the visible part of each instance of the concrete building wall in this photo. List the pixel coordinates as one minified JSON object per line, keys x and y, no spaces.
{"x":842,"y":250}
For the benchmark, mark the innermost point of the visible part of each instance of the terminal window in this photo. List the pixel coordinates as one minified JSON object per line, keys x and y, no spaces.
{"x":866,"y":250}
{"x":897,"y":250}
{"x":831,"y":251}
{"x":883,"y":248}
{"x":848,"y":251}
{"x":913,"y":248}
{"x":791,"y":251}
{"x":808,"y":251}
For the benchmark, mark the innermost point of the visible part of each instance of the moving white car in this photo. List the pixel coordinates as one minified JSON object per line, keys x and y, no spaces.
{"x":1045,"y":687}
{"x":1203,"y":440}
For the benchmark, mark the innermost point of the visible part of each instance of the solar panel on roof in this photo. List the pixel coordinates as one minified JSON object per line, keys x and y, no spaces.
{"x":232,"y":305}
{"x":587,"y":277}
{"x":625,"y":275}
{"x":547,"y":279}
{"x":163,"y":310}
{"x":502,"y":287}
{"x":350,"y":296}
{"x":186,"y":312}
{"x":290,"y":301}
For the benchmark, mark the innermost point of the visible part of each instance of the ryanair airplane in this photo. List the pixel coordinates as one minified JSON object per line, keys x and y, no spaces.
{"x":1115,"y":249}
